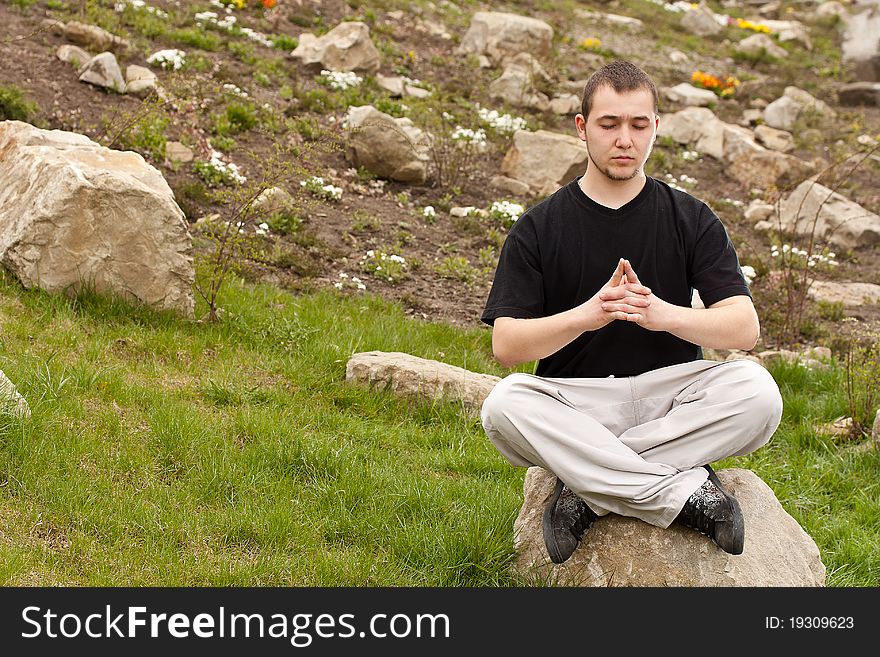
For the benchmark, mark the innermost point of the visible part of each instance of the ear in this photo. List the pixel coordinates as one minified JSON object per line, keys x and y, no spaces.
{"x":580,"y":123}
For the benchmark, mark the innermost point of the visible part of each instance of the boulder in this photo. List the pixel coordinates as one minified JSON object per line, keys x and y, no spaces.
{"x":178,"y":152}
{"x":859,"y":93}
{"x":387,"y":147}
{"x":755,"y":44}
{"x":422,"y":378}
{"x":621,"y":551}
{"x":74,"y":214}
{"x":838,"y":220}
{"x":347,"y":47}
{"x":520,"y":84}
{"x":689,"y":95}
{"x":752,"y":165}
{"x":861,"y":47}
{"x":103,"y":71}
{"x":783,"y":112}
{"x":565,"y":104}
{"x":273,"y":199}
{"x":94,"y":37}
{"x":544,"y":160}
{"x":775,"y":140}
{"x":72,"y":55}
{"x":700,"y":20}
{"x":139,"y":80}
{"x":697,"y":127}
{"x":789,"y":31}
{"x":11,"y":401}
{"x":500,"y":35}
{"x":849,"y":294}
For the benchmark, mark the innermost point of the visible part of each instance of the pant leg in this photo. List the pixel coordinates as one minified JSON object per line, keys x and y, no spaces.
{"x":634,"y":445}
{"x":722,"y":409}
{"x":558,"y":425}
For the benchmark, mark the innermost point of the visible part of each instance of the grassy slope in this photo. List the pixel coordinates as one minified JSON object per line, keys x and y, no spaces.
{"x":163,"y":452}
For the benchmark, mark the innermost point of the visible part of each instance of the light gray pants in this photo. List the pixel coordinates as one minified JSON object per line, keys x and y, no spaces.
{"x":634,"y":445}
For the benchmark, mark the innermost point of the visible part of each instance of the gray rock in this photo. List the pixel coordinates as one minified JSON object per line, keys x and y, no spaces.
{"x":510,"y":185}
{"x":833,"y":217}
{"x":775,"y":140}
{"x":423,"y":378}
{"x":861,"y":47}
{"x":689,"y":95}
{"x":544,"y":160}
{"x":499,"y":36}
{"x":347,"y":47}
{"x":620,"y":551}
{"x":103,"y":71}
{"x":94,"y":37}
{"x":139,"y":80}
{"x":875,"y":431}
{"x":75,"y":214}
{"x":701,"y":21}
{"x":859,"y":93}
{"x":849,"y":294}
{"x":177,"y":152}
{"x":754,"y":44}
{"x":11,"y":401}
{"x":387,"y":147}
{"x":72,"y":55}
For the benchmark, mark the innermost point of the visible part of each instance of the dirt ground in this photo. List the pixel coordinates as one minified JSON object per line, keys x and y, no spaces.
{"x":388,"y":216}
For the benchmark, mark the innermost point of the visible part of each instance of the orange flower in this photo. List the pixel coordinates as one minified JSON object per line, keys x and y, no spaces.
{"x":268,"y":4}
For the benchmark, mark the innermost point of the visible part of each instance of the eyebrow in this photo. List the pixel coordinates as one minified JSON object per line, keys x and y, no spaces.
{"x":615,"y":117}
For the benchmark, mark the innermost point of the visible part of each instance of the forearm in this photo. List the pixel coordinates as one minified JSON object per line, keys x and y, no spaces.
{"x":724,"y":326}
{"x":516,"y":341}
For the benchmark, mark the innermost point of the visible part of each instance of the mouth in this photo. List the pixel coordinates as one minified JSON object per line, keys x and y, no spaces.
{"x":622,"y":159}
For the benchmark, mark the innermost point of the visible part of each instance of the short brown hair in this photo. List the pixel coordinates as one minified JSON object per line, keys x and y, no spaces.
{"x":621,"y":76}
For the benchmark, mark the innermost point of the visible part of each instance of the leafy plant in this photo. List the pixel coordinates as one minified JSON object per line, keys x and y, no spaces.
{"x":14,"y":106}
{"x":862,"y":374}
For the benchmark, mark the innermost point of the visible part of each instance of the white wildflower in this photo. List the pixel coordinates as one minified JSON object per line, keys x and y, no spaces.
{"x":339,"y":80}
{"x":170,"y":58}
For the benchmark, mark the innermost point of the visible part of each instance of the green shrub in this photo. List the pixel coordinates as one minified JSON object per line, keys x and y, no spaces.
{"x":284,"y":42}
{"x":14,"y":106}
{"x":237,"y":117}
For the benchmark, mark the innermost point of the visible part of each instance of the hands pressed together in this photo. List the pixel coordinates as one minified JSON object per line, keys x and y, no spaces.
{"x":624,"y":298}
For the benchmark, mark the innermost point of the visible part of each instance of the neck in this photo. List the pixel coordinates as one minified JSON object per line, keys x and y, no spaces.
{"x":610,"y":193}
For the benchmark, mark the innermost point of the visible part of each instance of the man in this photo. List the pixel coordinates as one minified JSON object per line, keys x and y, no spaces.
{"x":595,"y":283}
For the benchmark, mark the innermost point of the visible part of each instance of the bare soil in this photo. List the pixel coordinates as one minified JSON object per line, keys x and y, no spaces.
{"x":388,"y":216}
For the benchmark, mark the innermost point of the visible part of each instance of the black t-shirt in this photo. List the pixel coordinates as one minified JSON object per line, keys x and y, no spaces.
{"x":560,"y":252}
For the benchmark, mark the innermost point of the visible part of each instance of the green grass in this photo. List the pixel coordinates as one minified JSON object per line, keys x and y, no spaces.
{"x":167,"y":452}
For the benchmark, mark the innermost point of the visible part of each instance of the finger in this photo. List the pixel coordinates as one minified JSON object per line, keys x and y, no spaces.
{"x":617,"y":276}
{"x":616,"y":294}
{"x":627,"y":306}
{"x":627,"y":317}
{"x":638,"y":288}
{"x":630,"y":272}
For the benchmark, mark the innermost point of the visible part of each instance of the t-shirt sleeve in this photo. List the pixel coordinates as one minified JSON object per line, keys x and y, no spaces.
{"x":518,"y":288}
{"x":715,"y":270}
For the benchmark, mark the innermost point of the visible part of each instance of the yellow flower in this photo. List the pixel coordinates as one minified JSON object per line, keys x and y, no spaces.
{"x":590,"y":43}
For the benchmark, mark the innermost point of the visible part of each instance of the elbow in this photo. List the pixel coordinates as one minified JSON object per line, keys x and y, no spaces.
{"x":504,"y":359}
{"x":751,"y":334}
{"x":503,"y":350}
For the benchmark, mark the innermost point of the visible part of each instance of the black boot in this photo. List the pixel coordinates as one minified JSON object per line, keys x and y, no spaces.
{"x":566,"y":518}
{"x":713,"y":511}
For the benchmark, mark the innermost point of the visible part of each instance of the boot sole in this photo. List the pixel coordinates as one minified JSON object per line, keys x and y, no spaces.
{"x":549,"y":540}
{"x":737,"y":521}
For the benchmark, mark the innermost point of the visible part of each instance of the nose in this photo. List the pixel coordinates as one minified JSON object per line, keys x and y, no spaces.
{"x":624,"y":138}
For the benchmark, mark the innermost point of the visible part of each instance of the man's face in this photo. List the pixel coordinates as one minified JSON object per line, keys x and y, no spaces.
{"x":619,"y":132}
